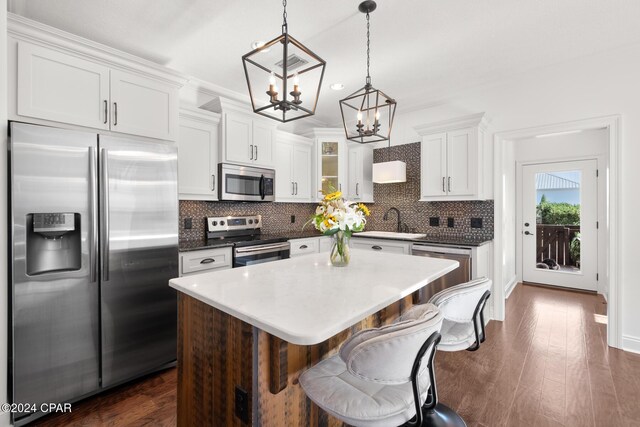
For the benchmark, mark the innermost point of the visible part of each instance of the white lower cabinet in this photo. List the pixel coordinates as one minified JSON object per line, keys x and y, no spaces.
{"x":205,"y":261}
{"x":381,"y":245}
{"x":310,"y":245}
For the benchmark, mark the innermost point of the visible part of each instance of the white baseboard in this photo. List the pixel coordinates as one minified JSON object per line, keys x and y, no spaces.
{"x":631,"y":344}
{"x":510,"y":286}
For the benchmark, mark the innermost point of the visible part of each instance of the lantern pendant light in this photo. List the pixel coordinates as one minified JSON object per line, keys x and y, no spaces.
{"x":368,"y":113}
{"x":284,"y":77}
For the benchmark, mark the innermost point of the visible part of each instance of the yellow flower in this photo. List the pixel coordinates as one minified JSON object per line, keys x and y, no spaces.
{"x":333,"y":196}
{"x":364,"y":209}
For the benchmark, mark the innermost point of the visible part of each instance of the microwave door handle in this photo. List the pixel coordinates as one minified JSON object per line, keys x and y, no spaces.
{"x":261,"y":185}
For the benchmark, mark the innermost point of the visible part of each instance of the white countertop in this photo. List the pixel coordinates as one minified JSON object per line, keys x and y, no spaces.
{"x":305,"y":300}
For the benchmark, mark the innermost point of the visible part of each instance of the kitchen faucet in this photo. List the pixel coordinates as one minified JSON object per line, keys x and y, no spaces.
{"x":400,"y":224}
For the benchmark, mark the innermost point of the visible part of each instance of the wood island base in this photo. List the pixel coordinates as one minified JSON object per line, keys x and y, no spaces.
{"x":233,"y":374}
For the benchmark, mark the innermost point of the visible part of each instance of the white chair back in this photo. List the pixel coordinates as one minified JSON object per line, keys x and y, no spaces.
{"x":459,"y":302}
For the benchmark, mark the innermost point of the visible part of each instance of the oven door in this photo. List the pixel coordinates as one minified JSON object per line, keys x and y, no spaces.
{"x":258,"y":254}
{"x":246,"y":183}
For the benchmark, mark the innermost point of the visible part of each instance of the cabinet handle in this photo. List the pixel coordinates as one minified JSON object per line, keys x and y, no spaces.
{"x":115,"y":114}
{"x":296,"y":188}
{"x":443,"y":190}
{"x":376,"y":248}
{"x":449,"y":184}
{"x":340,"y":186}
{"x":357,"y":184}
{"x":256,"y":147}
{"x":106,"y":111}
{"x":213,"y":182}
{"x":251,"y":149}
{"x":303,"y":246}
{"x":207,"y":261}
{"x":293,"y":188}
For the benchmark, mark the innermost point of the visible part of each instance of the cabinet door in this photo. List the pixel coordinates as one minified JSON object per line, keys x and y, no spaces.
{"x":331,"y":166}
{"x":355,"y":174}
{"x":391,"y":246}
{"x":366,"y":174}
{"x":304,"y":246}
{"x":462,"y":161}
{"x":62,"y":88}
{"x":285,"y":187}
{"x":433,"y":165}
{"x":301,"y":169}
{"x":141,"y":106}
{"x":263,"y":144}
{"x":197,"y":160}
{"x":237,"y":139}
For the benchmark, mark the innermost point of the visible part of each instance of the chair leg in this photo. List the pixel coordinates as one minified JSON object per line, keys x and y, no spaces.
{"x":478,"y":317}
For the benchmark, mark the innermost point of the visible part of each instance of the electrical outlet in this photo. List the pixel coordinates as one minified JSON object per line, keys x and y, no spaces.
{"x":242,"y":405}
{"x":434,"y":221}
{"x":476,"y":222}
{"x":449,"y":222}
{"x":188,"y":223}
{"x":293,"y":219}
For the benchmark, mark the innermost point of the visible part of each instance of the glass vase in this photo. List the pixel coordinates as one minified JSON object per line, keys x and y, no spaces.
{"x":340,"y":252}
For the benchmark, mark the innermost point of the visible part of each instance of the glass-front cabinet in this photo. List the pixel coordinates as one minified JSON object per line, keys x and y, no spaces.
{"x":332,"y":162}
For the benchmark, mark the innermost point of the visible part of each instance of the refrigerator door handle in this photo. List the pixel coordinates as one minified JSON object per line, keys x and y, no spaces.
{"x":104,"y":212}
{"x":93,"y":200}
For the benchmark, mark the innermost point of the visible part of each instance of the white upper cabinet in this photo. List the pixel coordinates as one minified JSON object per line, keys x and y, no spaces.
{"x":62,"y":87}
{"x":361,"y":173}
{"x":198,"y":154}
{"x":238,"y":137}
{"x":141,"y":106}
{"x":246,"y":138}
{"x":452,"y":159}
{"x":294,"y":167}
{"x":331,"y":162}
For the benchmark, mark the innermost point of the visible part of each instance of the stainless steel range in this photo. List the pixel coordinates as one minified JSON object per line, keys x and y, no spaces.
{"x":250,"y":246}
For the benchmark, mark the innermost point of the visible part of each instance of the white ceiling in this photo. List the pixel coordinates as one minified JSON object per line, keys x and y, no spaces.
{"x":421,"y":50}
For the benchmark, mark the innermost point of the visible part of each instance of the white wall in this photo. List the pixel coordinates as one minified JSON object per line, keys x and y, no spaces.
{"x":4,"y":417}
{"x":598,"y":85}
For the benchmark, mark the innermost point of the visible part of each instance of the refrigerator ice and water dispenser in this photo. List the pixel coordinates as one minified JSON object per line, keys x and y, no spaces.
{"x":53,"y":242}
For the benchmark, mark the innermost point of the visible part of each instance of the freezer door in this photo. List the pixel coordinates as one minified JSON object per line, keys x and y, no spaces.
{"x":139,"y":254}
{"x":54,"y":310}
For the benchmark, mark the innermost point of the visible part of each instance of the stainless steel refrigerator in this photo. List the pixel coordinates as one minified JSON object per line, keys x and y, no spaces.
{"x":94,"y":243}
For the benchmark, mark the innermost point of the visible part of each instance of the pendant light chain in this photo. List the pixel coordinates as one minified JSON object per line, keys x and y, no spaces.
{"x":284,"y":17}
{"x":368,"y":81}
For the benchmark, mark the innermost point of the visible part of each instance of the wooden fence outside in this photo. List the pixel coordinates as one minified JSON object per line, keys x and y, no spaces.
{"x":553,"y":241}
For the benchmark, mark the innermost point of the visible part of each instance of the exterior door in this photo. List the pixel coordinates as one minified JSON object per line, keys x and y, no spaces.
{"x":559,"y":212}
{"x":139,"y":248}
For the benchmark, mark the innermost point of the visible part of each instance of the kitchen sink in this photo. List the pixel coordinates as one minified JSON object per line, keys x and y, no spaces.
{"x":390,"y":235}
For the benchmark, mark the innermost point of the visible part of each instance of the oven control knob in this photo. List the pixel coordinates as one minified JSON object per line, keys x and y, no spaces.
{"x":257,"y":220}
{"x":250,"y":221}
{"x":221,"y":222}
{"x":214,"y":223}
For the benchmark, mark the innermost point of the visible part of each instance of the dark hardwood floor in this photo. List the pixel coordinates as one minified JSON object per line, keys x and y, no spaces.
{"x":547,"y":365}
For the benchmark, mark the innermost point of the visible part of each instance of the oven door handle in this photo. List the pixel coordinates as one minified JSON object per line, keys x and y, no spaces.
{"x":263,"y":248}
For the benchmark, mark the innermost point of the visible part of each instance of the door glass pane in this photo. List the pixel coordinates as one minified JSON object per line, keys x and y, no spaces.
{"x":558,"y":221}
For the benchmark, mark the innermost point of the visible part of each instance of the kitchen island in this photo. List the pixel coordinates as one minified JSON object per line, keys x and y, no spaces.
{"x":245,"y":335}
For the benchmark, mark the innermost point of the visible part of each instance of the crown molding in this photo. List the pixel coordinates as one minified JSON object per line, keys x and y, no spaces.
{"x":31,"y":31}
{"x":471,"y":120}
{"x":199,"y":115}
{"x":323,"y":132}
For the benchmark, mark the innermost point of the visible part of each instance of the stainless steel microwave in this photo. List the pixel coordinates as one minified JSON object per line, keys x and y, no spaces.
{"x":245,"y":183}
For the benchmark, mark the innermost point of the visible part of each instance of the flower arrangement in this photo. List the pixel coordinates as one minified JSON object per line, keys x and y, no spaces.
{"x":339,"y":218}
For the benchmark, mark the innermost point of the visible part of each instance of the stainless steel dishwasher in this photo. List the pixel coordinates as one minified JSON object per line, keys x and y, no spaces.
{"x":459,"y":275}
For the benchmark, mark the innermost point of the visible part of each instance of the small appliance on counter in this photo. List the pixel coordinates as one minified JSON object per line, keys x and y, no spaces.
{"x":250,"y":246}
{"x":245,"y":183}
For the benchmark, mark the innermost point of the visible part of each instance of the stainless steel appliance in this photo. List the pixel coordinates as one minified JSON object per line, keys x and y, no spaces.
{"x":459,"y":275}
{"x":94,"y":223}
{"x":250,"y":245}
{"x":245,"y":183}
